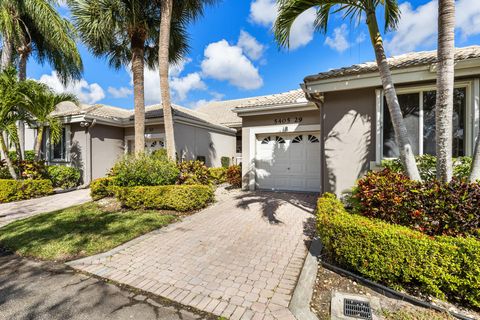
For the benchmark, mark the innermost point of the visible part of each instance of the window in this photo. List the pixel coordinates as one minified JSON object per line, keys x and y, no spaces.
{"x":418,"y":110}
{"x":279,"y":139}
{"x":313,"y":139}
{"x":59,"y":150}
{"x":297,"y":139}
{"x":266,"y":140}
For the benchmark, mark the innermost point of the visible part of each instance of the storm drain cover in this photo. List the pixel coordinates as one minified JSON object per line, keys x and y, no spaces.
{"x":357,"y":309}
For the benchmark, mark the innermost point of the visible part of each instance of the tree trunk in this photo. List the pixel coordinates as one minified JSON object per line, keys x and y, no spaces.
{"x":38,"y":142}
{"x":138,"y":93}
{"x":22,"y":76}
{"x":475,"y":173}
{"x":445,"y":87}
{"x":8,"y":161}
{"x":24,"y":53}
{"x":6,"y":58}
{"x":163,"y":62}
{"x":407,"y":156}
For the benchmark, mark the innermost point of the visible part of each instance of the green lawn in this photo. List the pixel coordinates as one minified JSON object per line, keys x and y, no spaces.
{"x":78,"y":231}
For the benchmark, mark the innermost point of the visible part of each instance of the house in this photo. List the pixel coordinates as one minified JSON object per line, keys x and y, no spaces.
{"x":94,"y":137}
{"x":328,"y":134}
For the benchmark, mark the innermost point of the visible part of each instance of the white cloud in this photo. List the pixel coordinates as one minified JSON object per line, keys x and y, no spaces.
{"x":228,"y":63}
{"x":252,"y":48}
{"x":264,"y":12}
{"x":151,"y":85}
{"x":339,"y":41}
{"x":85,"y":92}
{"x":183,"y":85}
{"x":176,"y":69}
{"x":121,"y":92}
{"x":418,"y":26}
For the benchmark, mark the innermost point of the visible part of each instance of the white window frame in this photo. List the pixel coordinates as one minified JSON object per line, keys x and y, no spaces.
{"x":148,"y":136}
{"x":68,"y":145}
{"x":471,"y":124}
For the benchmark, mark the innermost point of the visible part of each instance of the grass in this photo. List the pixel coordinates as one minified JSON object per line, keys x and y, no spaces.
{"x":78,"y":231}
{"x":415,"y":315}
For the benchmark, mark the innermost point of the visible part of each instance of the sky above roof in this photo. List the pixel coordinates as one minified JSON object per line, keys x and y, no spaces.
{"x":233,"y":53}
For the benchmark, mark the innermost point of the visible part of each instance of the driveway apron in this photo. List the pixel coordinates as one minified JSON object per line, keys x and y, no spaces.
{"x":239,"y":258}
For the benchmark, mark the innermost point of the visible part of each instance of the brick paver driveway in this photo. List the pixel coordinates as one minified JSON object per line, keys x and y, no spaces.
{"x":22,"y":209}
{"x":239,"y":258}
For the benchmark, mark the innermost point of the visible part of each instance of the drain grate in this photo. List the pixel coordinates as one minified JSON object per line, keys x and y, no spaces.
{"x":357,"y":309}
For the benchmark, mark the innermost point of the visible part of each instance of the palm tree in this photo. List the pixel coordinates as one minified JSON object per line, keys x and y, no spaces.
{"x":40,"y":103}
{"x":289,"y":10}
{"x":445,"y":88}
{"x":11,"y":97}
{"x":126,"y":32}
{"x":173,"y":14}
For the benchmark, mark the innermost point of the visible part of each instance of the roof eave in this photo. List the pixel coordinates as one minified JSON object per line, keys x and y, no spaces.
{"x":276,"y":108}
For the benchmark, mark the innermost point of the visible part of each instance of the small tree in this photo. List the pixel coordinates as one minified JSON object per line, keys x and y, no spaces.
{"x":289,"y":10}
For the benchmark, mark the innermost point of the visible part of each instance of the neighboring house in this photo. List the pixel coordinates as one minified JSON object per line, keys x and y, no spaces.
{"x":327,"y":142}
{"x":96,"y":136}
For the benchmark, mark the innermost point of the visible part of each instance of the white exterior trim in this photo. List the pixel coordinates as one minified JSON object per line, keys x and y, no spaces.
{"x":270,"y":109}
{"x":254,"y":131}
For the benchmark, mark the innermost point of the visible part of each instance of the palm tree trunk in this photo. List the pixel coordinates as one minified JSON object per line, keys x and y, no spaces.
{"x":38,"y":142}
{"x":139,"y":93}
{"x":6,"y":58}
{"x":445,"y":87}
{"x":8,"y":161}
{"x":407,"y":156}
{"x":163,"y":61}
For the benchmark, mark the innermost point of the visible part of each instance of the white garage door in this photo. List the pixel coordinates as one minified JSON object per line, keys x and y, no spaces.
{"x":288,"y":161}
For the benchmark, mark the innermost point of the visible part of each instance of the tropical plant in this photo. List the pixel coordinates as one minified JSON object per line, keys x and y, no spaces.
{"x":445,"y":88}
{"x":289,"y":10}
{"x":11,"y":98}
{"x":173,"y":14}
{"x":126,"y":32}
{"x":41,"y":103}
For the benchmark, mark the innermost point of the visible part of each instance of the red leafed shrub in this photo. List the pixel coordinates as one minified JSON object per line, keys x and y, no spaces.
{"x":234,"y":176}
{"x":432,"y":207}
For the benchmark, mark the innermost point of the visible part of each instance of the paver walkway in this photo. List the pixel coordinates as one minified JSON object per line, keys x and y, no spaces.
{"x":239,"y":258}
{"x":22,"y":209}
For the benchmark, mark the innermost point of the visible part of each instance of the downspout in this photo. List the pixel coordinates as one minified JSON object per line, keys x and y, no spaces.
{"x":319,"y":99}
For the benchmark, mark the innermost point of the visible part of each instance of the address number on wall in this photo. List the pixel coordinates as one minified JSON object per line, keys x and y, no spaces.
{"x":288,"y":120}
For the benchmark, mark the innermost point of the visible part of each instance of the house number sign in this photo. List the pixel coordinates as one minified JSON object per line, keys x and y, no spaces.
{"x":288,"y":120}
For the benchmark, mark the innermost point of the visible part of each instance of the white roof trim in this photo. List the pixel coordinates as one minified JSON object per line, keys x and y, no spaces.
{"x":269,"y":109}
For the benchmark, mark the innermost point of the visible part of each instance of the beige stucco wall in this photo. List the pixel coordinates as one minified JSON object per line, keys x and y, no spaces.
{"x":78,"y":150}
{"x":192,"y":141}
{"x":152,"y":129}
{"x":349,"y":137}
{"x":107,"y":148}
{"x":307,"y":117}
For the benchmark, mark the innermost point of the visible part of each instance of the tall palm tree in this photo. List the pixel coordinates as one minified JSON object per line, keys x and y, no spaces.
{"x":172,"y":14}
{"x":11,"y":98}
{"x":40,"y":103}
{"x":126,"y":32}
{"x":445,"y":88}
{"x":289,"y":10}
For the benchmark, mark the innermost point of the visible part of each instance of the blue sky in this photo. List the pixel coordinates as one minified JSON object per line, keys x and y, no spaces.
{"x":233,"y":53}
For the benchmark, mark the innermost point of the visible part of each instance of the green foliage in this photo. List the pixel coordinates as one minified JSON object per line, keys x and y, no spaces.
{"x":78,"y":231}
{"x":15,"y":190}
{"x":102,"y":187}
{"x":443,"y":266}
{"x":176,"y":197}
{"x":64,"y":177}
{"x":145,"y":170}
{"x":218,"y":175}
{"x":31,"y":169}
{"x":427,"y":165}
{"x":234,"y":176}
{"x":225,"y":162}
{"x":431,"y":207}
{"x":193,"y":172}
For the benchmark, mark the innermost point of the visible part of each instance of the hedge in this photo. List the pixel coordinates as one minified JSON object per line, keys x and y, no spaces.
{"x":175,"y":197}
{"x":63,"y":176}
{"x":15,"y":190}
{"x":101,"y":188}
{"x":218,"y":175}
{"x":443,"y":266}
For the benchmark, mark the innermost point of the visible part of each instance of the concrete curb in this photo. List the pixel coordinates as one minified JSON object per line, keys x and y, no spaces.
{"x":302,"y":295}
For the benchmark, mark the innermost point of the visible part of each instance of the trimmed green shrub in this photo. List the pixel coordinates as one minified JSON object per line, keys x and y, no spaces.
{"x":179,"y":198}
{"x":443,"y":266}
{"x":234,"y":176}
{"x":427,"y":165}
{"x":102,"y":187}
{"x":64,"y":177}
{"x":225,"y":162}
{"x":218,"y":175}
{"x":145,"y":170}
{"x":432,"y":207}
{"x":193,"y":172}
{"x":28,"y":169}
{"x":15,"y":190}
